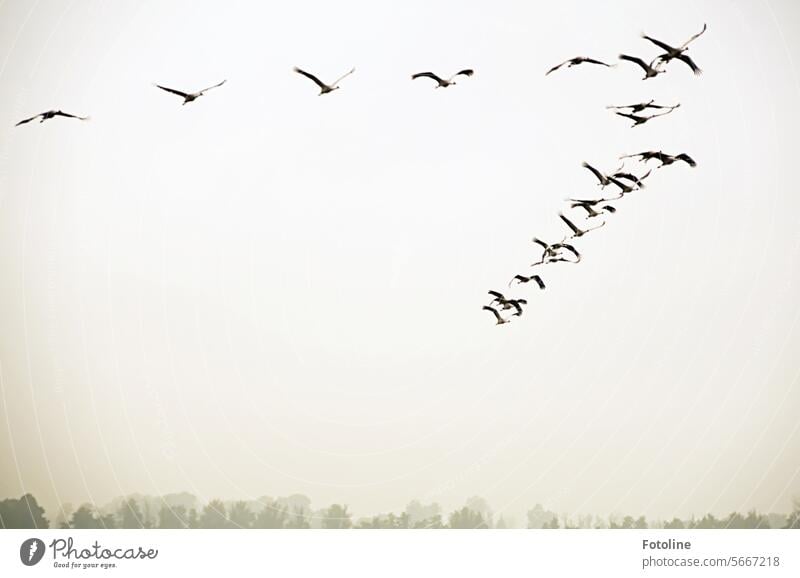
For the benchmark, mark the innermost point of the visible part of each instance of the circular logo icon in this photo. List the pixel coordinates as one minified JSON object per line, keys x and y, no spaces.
{"x":31,"y":551}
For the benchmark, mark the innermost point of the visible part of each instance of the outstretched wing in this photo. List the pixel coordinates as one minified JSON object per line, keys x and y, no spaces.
{"x":28,"y":120}
{"x":210,"y":87}
{"x":633,"y":117}
{"x":493,"y":310}
{"x":687,"y":159}
{"x":497,"y":295}
{"x":345,"y":75}
{"x":544,"y":245}
{"x":570,"y":248}
{"x":635,"y":60}
{"x":662,"y":45}
{"x":695,"y":37}
{"x":465,"y":72}
{"x":688,"y":60}
{"x":427,"y":75}
{"x":557,"y":66}
{"x":62,"y":113}
{"x":308,"y":75}
{"x":569,"y":223}
{"x":600,"y":176}
{"x":539,"y":281}
{"x":593,"y":61}
{"x":172,"y":90}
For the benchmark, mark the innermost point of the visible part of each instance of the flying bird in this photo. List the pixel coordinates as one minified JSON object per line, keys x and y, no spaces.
{"x":649,"y":70}
{"x":620,"y":174}
{"x":679,"y":52}
{"x":552,"y":253}
{"x":498,"y":297}
{"x":516,"y":304}
{"x":525,"y":279}
{"x":442,"y":82}
{"x":642,"y":106}
{"x":576,"y":231}
{"x":641,"y":119}
{"x":589,"y":207}
{"x":324,"y":88}
{"x":662,"y":157}
{"x":604,"y":182}
{"x":500,"y":319}
{"x":43,"y":116}
{"x":576,"y":61}
{"x":189,"y":96}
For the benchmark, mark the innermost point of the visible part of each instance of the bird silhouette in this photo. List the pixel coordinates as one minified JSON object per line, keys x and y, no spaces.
{"x":443,"y":82}
{"x":576,"y":61}
{"x":189,"y":96}
{"x":43,"y":116}
{"x":324,"y":88}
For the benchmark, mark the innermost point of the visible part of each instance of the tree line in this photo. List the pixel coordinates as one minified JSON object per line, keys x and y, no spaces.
{"x":180,"y":511}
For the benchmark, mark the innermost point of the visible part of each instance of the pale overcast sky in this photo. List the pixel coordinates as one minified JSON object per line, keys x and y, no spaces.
{"x":267,"y":291}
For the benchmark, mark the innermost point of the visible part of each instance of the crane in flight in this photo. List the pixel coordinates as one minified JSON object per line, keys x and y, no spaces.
{"x":526,"y":279}
{"x":650,"y":71}
{"x":552,"y":253}
{"x":189,"y":96}
{"x":324,"y":88}
{"x":575,"y":62}
{"x":577,"y":231}
{"x":443,"y":82}
{"x":679,"y":52}
{"x":43,"y":116}
{"x":662,"y":157}
{"x":500,"y":319}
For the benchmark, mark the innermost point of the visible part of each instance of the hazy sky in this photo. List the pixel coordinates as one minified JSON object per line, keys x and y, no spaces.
{"x":268,"y":292}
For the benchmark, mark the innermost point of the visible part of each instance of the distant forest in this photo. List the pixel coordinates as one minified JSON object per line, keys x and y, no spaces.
{"x":185,"y":511}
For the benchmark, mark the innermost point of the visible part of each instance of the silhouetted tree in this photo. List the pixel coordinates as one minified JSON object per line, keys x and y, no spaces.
{"x":22,"y":513}
{"x":418,"y":512}
{"x":298,"y":520}
{"x":336,"y":517}
{"x":538,"y":517}
{"x":271,"y":516}
{"x":173,"y":517}
{"x":675,"y":524}
{"x":130,"y":515}
{"x":793,"y":519}
{"x":84,"y":517}
{"x":432,"y":523}
{"x":213,"y":515}
{"x":193,"y":520}
{"x":240,"y":515}
{"x":466,"y":518}
{"x":707,"y":522}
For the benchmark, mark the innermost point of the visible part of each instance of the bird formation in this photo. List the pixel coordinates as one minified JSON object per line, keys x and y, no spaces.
{"x":503,"y":308}
{"x":626,"y":182}
{"x":323,"y":89}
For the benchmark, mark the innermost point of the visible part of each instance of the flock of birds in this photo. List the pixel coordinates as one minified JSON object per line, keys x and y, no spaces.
{"x":626,"y":182}
{"x":323,"y":89}
{"x":504,"y":308}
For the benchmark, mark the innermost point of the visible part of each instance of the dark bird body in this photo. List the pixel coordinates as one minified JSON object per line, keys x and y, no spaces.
{"x":575,"y":62}
{"x":500,"y":319}
{"x":552,"y":253}
{"x":663,"y":158}
{"x":443,"y":82}
{"x":324,"y":88}
{"x":650,"y":71}
{"x":189,"y":96}
{"x":577,"y":231}
{"x":527,"y":279}
{"x":43,"y":116}
{"x":679,"y":53}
